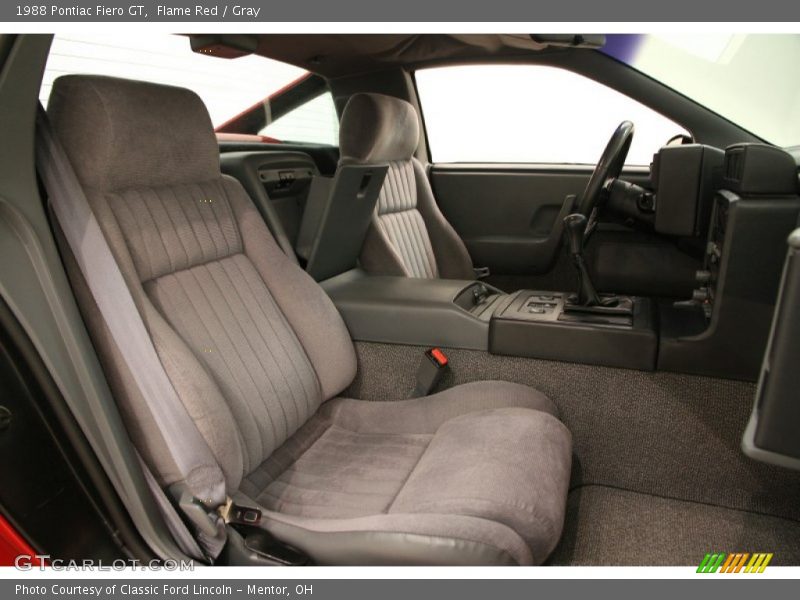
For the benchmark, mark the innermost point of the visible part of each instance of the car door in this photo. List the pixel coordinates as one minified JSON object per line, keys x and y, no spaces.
{"x":513,"y":145}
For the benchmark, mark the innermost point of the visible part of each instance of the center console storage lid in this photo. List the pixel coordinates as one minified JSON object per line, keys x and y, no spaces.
{"x":426,"y":312}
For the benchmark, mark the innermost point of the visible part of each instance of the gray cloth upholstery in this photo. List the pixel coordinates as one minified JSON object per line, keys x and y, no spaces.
{"x":452,"y":258}
{"x":252,"y":359}
{"x":439,"y":455}
{"x":400,"y":224}
{"x":408,"y":236}
{"x":254,"y":348}
{"x":112,"y":120}
{"x":375,"y":128}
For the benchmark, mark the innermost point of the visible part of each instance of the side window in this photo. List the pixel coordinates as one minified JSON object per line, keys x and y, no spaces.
{"x":314,"y":122}
{"x":226,"y":86}
{"x":530,"y":114}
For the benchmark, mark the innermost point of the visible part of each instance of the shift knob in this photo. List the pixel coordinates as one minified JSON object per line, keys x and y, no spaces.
{"x":575,"y":227}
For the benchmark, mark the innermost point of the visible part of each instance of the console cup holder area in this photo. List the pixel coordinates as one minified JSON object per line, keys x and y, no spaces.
{"x":478,"y":299}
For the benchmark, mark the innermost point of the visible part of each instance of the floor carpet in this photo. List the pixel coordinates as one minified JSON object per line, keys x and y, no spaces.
{"x":607,"y":526}
{"x":660,"y":435}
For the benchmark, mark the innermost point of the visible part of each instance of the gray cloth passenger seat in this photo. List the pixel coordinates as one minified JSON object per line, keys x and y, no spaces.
{"x":409,"y":236}
{"x":258,"y":355}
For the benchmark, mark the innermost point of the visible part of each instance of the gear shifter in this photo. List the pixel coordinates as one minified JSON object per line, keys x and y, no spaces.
{"x":575,"y":228}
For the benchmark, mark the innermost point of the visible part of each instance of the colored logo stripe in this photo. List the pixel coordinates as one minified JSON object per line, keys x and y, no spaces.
{"x":758,"y":563}
{"x":740,"y":564}
{"x":711,"y":563}
{"x":727,"y":565}
{"x":735,"y":562}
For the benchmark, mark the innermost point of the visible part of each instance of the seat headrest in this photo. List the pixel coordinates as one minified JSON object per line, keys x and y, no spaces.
{"x":377,"y":128}
{"x":120,"y":133}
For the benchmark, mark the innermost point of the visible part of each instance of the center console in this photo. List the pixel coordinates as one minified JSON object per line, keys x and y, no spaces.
{"x":547,"y":325}
{"x":428,"y":312}
{"x":721,"y":331}
{"x":472,"y":315}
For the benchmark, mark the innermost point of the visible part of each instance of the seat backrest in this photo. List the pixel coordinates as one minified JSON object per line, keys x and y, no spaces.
{"x":408,"y":235}
{"x":251,"y":344}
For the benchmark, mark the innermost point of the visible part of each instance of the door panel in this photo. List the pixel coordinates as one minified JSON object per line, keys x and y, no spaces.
{"x":509,"y":217}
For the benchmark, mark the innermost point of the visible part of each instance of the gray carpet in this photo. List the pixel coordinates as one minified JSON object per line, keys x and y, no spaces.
{"x":662,"y":434}
{"x":607,"y":526}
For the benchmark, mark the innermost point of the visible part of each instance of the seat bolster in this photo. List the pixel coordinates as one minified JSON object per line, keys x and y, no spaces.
{"x":452,"y":257}
{"x":401,"y":539}
{"x":378,"y":254}
{"x":509,"y":465}
{"x":427,"y":414}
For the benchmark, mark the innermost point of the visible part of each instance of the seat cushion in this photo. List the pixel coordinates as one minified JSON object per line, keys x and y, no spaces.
{"x":473,"y":474}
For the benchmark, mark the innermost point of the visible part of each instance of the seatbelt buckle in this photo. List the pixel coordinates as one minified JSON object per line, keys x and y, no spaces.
{"x":235,"y":514}
{"x":432,"y":368}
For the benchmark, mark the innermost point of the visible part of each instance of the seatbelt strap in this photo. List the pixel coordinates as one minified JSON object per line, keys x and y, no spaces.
{"x":198,"y":485}
{"x":180,"y":533}
{"x":319,"y":193}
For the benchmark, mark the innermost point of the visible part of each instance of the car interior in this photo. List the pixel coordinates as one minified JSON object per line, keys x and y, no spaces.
{"x":251,"y":350}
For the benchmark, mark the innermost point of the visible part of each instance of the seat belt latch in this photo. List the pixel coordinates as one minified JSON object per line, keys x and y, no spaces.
{"x":240,"y":515}
{"x":431,"y":370}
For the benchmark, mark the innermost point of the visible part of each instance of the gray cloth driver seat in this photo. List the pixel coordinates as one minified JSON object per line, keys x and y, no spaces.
{"x":408,"y":236}
{"x":258,"y":355}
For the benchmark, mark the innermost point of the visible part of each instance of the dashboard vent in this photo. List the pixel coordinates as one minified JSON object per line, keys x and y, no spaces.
{"x":734,"y":164}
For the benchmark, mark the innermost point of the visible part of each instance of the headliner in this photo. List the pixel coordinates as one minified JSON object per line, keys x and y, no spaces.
{"x":336,"y":55}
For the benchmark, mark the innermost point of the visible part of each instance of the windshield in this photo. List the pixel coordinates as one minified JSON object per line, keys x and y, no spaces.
{"x":749,"y":79}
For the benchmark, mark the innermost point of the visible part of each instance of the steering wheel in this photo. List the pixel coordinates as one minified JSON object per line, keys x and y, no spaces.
{"x":609,"y":167}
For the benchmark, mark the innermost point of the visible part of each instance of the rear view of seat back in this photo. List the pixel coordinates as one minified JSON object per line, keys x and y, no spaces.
{"x":336,"y":218}
{"x":250,"y":359}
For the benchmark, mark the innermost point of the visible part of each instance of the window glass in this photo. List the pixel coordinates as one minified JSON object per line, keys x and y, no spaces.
{"x":227,"y":86}
{"x":530,"y":114}
{"x":314,"y":122}
{"x":747,"y":78}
